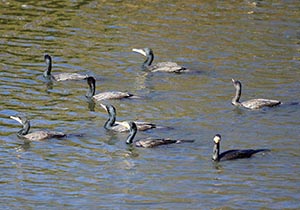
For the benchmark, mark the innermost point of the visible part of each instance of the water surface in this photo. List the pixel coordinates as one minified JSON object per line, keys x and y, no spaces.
{"x":256,"y":43}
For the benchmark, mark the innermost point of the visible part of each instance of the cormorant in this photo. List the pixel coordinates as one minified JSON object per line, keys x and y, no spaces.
{"x":147,"y":143}
{"x":112,"y":124}
{"x":170,"y":67}
{"x":37,"y":135}
{"x":232,"y":154}
{"x":60,"y":77}
{"x":250,"y":104}
{"x":105,"y":95}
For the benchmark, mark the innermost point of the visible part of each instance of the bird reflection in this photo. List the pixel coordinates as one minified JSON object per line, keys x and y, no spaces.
{"x":132,"y":152}
{"x":49,"y":85}
{"x":91,"y":104}
{"x":23,"y":147}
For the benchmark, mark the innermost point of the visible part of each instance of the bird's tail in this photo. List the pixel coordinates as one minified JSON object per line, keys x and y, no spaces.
{"x":75,"y":135}
{"x":184,"y":141}
{"x":262,"y":150}
{"x":135,"y":96}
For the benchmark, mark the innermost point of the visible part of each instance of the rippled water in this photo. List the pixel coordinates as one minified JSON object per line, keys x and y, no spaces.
{"x":255,"y":43}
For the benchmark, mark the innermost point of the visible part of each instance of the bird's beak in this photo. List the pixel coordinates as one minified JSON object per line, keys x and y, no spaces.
{"x":232,"y":80}
{"x":16,"y":118}
{"x":103,"y":106}
{"x":141,"y":51}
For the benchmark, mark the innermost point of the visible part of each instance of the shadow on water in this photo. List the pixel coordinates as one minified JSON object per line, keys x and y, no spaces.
{"x":49,"y":85}
{"x":91,"y":104}
{"x":217,"y":165}
{"x":23,"y":147}
{"x":133,"y":151}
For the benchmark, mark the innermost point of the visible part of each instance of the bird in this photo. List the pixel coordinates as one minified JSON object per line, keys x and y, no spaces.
{"x":112,"y":124}
{"x":37,"y":135}
{"x":170,"y":67}
{"x":105,"y":95}
{"x":253,"y":103}
{"x":60,"y":77}
{"x":232,"y":154}
{"x":147,"y":143}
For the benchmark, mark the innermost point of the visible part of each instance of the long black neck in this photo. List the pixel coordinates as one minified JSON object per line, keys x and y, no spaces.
{"x":111,"y":120}
{"x":48,"y":61}
{"x":132,"y":133}
{"x":148,"y":61}
{"x":25,"y":129}
{"x":238,"y":92}
{"x":92,"y":87}
{"x":216,"y":152}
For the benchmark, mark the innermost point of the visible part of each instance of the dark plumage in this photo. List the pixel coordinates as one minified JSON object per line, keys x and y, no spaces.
{"x":232,"y":154}
{"x":37,"y":135}
{"x":60,"y":77}
{"x":105,"y":95}
{"x":112,"y":124}
{"x":147,"y":143}
{"x":170,"y":67}
{"x":251,"y":104}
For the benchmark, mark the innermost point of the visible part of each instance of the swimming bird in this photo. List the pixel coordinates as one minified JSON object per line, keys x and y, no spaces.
{"x":147,"y":143}
{"x":37,"y":135}
{"x":112,"y":124}
{"x":60,"y":77}
{"x":232,"y":154}
{"x":105,"y":95}
{"x":170,"y":67}
{"x":251,"y":104}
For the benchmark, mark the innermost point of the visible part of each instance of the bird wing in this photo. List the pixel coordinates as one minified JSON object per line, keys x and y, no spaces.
{"x":167,"y":67}
{"x":238,"y":154}
{"x":142,"y":126}
{"x":119,"y":128}
{"x":111,"y":95}
{"x":69,"y":76}
{"x":259,"y":103}
{"x":149,"y":143}
{"x":42,"y":135}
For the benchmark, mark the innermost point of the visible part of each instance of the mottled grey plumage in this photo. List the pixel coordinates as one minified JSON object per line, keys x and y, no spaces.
{"x":148,"y":143}
{"x":112,"y":124}
{"x":60,"y":77}
{"x":250,"y":104}
{"x":37,"y":135}
{"x":170,"y":67}
{"x":105,"y":95}
{"x":232,"y":154}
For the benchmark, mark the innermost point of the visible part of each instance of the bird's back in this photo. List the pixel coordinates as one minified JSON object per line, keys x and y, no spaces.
{"x":148,"y":143}
{"x":111,"y":95}
{"x":167,"y":67}
{"x":142,"y":126}
{"x":259,"y":103}
{"x":69,"y":76}
{"x":238,"y":154}
{"x":43,"y":135}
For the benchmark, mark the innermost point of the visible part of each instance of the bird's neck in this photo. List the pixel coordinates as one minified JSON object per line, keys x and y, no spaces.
{"x":131,"y":136}
{"x":110,"y":121}
{"x":91,"y":91}
{"x":216,"y":152}
{"x":25,"y":129}
{"x":236,"y":99}
{"x":148,"y":61}
{"x":47,"y":73}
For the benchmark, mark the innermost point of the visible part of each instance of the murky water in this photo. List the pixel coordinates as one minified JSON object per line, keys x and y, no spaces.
{"x":257,"y":44}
